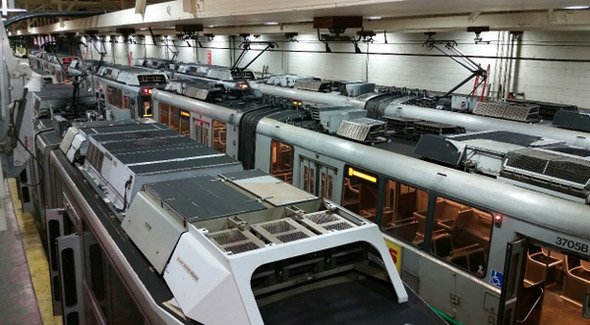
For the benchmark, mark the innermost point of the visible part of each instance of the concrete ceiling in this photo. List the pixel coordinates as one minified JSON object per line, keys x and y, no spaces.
{"x":223,"y":16}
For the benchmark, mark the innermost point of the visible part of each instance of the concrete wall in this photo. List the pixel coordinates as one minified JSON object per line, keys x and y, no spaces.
{"x":547,"y":71}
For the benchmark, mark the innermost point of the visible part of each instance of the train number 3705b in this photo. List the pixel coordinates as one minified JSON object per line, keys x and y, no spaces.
{"x":580,"y":247}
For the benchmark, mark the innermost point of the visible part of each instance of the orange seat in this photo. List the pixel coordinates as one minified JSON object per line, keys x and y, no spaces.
{"x":577,"y":280}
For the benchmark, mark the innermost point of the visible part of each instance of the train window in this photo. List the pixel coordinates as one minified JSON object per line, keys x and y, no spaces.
{"x":123,"y":309}
{"x":403,"y":207}
{"x":309,"y":179}
{"x":184,"y":123}
{"x":164,"y":113}
{"x":174,"y":121}
{"x":147,"y":108}
{"x":110,"y":95}
{"x":326,"y":185}
{"x":219,"y":136}
{"x":202,"y":131}
{"x":462,"y":235}
{"x":359,"y":192}
{"x":281,"y":161}
{"x":119,"y":98}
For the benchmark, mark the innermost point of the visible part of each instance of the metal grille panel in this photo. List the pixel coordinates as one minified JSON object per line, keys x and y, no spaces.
{"x":338,"y":226}
{"x":573,"y":171}
{"x":195,"y":92}
{"x":235,"y":241}
{"x":362,"y":129}
{"x":324,"y":222}
{"x":315,"y":113}
{"x":282,"y":231}
{"x":278,"y":227}
{"x":411,"y":280}
{"x":240,"y":248}
{"x":229,"y":237}
{"x":322,"y":218}
{"x":557,"y":166}
{"x":508,"y":111}
{"x":151,"y":78}
{"x":292,"y":236}
{"x":531,"y":163}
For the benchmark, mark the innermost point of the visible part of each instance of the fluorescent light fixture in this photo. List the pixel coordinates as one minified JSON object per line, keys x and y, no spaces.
{"x":271,"y":23}
{"x":373,"y":17}
{"x":577,"y":7}
{"x":13,"y":9}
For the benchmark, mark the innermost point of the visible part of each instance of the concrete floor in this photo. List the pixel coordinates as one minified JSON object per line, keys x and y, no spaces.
{"x":19,"y":304}
{"x":25,"y":291}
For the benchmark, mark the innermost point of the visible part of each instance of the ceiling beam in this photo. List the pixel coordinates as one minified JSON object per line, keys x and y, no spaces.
{"x":171,"y":13}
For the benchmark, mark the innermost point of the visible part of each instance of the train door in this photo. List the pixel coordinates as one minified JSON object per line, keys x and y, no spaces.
{"x":513,"y":267}
{"x":544,"y":284}
{"x":202,"y":130}
{"x":317,"y":178}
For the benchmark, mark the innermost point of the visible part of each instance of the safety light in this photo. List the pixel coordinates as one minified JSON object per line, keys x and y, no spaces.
{"x":146,"y":91}
{"x":242,"y":85}
{"x":498,"y":219}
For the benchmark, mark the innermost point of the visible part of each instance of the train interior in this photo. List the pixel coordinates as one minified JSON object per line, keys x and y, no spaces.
{"x":553,"y":287}
{"x":460,"y":233}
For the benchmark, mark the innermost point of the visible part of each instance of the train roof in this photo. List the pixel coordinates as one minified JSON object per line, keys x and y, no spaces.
{"x":133,"y":76}
{"x":242,"y":221}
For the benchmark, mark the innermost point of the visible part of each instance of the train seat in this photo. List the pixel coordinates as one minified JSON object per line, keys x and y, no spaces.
{"x":535,"y":271}
{"x":471,"y":258}
{"x":405,"y":229}
{"x":472,"y":226}
{"x":442,"y":244}
{"x":448,"y":210}
{"x":406,"y":204}
{"x":420,"y":216}
{"x":576,"y":281}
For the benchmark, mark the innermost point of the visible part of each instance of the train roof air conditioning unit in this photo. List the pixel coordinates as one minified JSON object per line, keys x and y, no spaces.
{"x":550,"y":170}
{"x":364,"y":130}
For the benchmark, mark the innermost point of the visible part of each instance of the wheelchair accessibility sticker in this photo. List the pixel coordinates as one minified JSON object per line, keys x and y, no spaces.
{"x":496,"y":278}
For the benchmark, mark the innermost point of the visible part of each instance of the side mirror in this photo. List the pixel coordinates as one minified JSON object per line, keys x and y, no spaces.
{"x":586,"y":306}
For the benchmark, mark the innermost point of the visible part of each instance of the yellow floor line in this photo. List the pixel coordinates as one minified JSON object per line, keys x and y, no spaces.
{"x":36,"y":258}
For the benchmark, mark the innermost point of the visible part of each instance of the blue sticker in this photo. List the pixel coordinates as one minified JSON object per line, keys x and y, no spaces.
{"x":496,"y":278}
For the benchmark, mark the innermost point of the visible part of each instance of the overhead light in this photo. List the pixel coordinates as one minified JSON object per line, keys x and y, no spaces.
{"x":373,"y":17}
{"x":271,"y":23}
{"x":143,"y":28}
{"x":14,"y":10}
{"x":577,"y":7}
